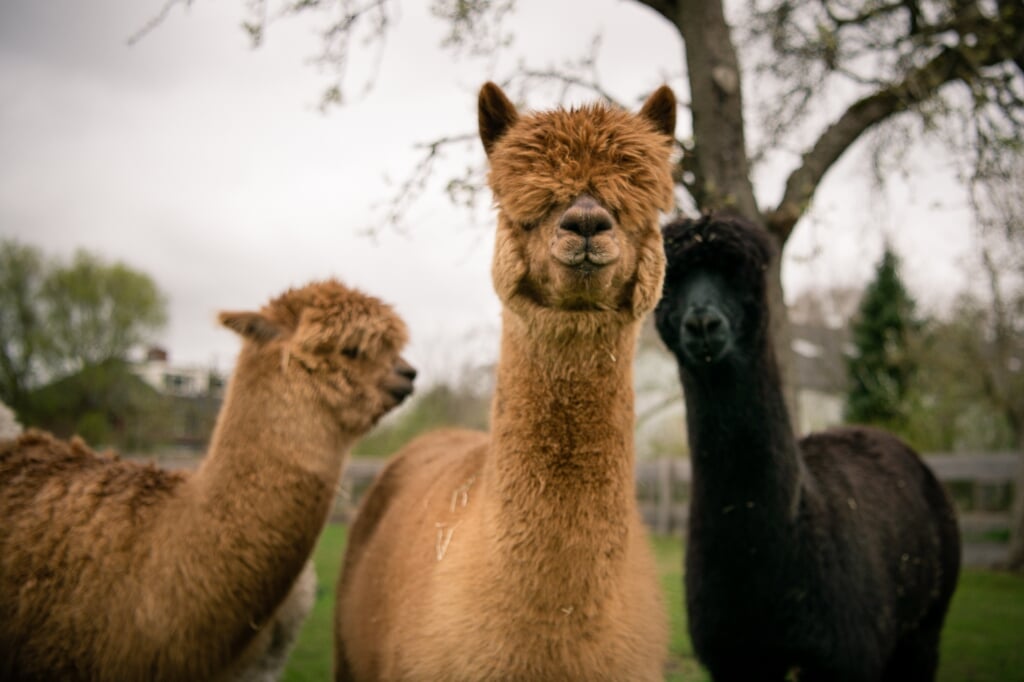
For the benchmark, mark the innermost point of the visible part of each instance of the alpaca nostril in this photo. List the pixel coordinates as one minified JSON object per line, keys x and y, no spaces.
{"x":586,"y":217}
{"x":403,"y":368}
{"x":703,"y":322}
{"x":693,"y":324}
{"x":586,"y":223}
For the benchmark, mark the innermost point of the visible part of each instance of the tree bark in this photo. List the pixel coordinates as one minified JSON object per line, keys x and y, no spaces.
{"x":719,"y":161}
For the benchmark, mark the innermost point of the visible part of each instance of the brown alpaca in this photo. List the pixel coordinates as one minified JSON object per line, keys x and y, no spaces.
{"x":115,"y":571}
{"x":521,"y":555}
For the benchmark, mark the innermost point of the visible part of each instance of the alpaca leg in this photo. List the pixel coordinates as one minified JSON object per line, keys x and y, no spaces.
{"x":916,"y":658}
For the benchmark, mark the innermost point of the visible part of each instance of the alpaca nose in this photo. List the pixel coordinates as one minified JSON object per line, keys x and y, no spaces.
{"x":703,"y":322}
{"x":586,"y":217}
{"x":400,"y":382}
{"x":405,"y":369}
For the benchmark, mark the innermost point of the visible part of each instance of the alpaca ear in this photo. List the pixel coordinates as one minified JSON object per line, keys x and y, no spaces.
{"x":660,"y":109}
{"x":495,"y":114}
{"x":252,"y":326}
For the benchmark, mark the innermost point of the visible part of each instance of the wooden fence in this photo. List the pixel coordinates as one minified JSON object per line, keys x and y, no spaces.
{"x":980,"y":483}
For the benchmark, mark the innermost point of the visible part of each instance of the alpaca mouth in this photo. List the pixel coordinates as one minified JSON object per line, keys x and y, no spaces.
{"x":399,"y":384}
{"x":585,"y":252}
{"x":706,"y":351}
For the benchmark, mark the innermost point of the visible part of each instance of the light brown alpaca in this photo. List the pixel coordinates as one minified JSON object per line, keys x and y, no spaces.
{"x":521,"y":555}
{"x":121,"y":572}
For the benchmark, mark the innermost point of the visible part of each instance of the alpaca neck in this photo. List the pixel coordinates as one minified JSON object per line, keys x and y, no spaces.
{"x":259,"y":500}
{"x":744,"y":453}
{"x":266,"y":425}
{"x":561,"y":462}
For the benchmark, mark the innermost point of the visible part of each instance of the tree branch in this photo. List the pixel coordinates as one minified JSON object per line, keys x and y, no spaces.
{"x":920,"y":84}
{"x":155,"y":21}
{"x":414,"y":185}
{"x":666,"y":8}
{"x":569,"y":80}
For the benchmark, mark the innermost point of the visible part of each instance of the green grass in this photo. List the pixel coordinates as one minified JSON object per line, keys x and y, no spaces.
{"x":984,"y":636}
{"x":313,"y":657}
{"x":983,"y":640}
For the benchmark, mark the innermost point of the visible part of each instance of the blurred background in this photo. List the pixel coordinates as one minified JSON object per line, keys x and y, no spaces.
{"x":162,"y":160}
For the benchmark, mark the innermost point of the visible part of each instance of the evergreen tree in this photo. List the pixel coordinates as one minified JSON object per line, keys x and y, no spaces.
{"x":882,"y":368}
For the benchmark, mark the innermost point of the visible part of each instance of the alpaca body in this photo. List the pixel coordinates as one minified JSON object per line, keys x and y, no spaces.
{"x":534,"y":555}
{"x":111,"y":570}
{"x":520,"y":555}
{"x":102,"y":552}
{"x":836,"y":555}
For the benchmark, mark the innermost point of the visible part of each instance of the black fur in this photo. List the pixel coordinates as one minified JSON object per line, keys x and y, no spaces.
{"x":836,"y":555}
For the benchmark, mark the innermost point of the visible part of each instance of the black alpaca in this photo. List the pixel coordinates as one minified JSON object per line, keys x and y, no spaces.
{"x":834,"y":556}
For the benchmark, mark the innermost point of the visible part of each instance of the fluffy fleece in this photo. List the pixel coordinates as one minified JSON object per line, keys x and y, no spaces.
{"x":834,"y":556}
{"x":520,"y":555}
{"x":114,"y":571}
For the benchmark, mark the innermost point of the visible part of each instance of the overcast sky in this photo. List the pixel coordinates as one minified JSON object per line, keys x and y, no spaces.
{"x":208,"y":165}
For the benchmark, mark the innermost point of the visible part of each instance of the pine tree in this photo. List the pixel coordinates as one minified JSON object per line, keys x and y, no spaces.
{"x":882,"y":368}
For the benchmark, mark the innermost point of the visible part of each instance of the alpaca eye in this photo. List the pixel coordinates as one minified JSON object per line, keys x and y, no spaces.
{"x":351,"y":352}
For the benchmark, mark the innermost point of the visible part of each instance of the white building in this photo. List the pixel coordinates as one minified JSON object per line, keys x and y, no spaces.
{"x":182,"y":381}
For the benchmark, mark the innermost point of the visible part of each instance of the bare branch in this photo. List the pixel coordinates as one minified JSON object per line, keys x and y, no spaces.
{"x":920,"y":84}
{"x":569,"y":80}
{"x":155,"y":21}
{"x":666,"y":8}
{"x":476,"y":26}
{"x":415,"y":183}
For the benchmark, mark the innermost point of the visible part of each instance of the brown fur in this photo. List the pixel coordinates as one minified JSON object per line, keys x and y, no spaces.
{"x":114,"y":571}
{"x":520,"y":555}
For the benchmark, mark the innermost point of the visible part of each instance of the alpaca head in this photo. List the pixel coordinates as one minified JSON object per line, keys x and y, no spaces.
{"x":333,"y":346}
{"x":578,"y":194}
{"x":714,"y":304}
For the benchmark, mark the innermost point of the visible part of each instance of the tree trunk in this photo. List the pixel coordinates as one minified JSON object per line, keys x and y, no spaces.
{"x":782,"y":335}
{"x":719,"y":159}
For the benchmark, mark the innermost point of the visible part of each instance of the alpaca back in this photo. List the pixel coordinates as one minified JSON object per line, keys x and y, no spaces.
{"x":889,"y":505}
{"x":66,"y":512}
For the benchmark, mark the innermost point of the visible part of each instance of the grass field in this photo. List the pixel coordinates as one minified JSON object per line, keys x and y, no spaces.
{"x":983,"y":640}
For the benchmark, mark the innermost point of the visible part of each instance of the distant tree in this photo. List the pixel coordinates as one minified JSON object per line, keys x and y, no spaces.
{"x":98,"y":311}
{"x":950,"y":406}
{"x":23,"y":341}
{"x":105,"y":404}
{"x":883,"y":366}
{"x":830,"y":306}
{"x":998,"y":348}
{"x":57,"y":319}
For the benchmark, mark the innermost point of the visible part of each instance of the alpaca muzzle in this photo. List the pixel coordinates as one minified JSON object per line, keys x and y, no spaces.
{"x":585,"y":236}
{"x":399,"y":384}
{"x":705,"y":333}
